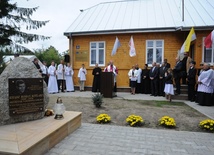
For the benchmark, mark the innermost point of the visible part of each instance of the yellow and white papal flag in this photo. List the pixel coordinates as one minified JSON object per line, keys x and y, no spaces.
{"x":191,"y":36}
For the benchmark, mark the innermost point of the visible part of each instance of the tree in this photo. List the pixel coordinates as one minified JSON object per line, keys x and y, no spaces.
{"x":12,"y":18}
{"x":2,"y":63}
{"x":48,"y":55}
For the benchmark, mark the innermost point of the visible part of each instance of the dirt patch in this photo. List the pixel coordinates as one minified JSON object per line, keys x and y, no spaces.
{"x":187,"y":118}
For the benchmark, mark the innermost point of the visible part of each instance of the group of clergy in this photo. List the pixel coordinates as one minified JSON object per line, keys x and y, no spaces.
{"x":58,"y":78}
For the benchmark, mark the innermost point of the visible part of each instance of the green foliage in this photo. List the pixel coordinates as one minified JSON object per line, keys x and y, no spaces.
{"x":160,"y":103}
{"x":97,"y":99}
{"x":2,"y":64}
{"x":65,"y":53}
{"x":163,"y":103}
{"x":12,"y":18}
{"x":48,"y":55}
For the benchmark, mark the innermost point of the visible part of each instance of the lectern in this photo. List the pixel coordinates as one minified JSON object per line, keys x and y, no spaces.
{"x":107,"y":84}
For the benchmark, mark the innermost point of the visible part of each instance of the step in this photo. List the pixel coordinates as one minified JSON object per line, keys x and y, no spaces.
{"x":183,"y":86}
{"x":183,"y":91}
{"x":180,"y":97}
{"x":39,"y":136}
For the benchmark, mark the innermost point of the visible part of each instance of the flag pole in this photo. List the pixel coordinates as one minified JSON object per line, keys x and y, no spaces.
{"x":182,"y":10}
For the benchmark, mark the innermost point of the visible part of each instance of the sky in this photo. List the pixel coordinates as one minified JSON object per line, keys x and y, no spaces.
{"x":61,"y":14}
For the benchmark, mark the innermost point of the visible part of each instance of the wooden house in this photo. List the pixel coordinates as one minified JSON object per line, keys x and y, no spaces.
{"x":158,"y":27}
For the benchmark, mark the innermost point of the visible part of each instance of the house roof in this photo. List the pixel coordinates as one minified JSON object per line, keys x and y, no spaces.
{"x":143,"y":16}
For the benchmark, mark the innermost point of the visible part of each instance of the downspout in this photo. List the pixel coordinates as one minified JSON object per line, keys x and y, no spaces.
{"x":71,"y":51}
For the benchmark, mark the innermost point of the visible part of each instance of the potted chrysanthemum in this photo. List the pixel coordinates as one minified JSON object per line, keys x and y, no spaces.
{"x":207,"y":125}
{"x":103,"y":118}
{"x":134,"y":120}
{"x":167,"y":121}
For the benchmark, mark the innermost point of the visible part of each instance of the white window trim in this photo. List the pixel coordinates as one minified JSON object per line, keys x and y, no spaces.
{"x":150,"y":65}
{"x":101,"y":65}
{"x":202,"y":57}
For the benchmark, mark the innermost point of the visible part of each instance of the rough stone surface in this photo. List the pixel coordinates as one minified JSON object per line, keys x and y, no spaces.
{"x":18,"y":68}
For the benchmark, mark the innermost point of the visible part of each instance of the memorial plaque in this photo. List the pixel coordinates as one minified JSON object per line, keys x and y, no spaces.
{"x":25,"y":96}
{"x":81,"y":56}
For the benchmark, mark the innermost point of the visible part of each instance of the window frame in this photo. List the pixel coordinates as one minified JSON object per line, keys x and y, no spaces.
{"x":154,"y":51}
{"x":203,"y":52}
{"x":97,"y":52}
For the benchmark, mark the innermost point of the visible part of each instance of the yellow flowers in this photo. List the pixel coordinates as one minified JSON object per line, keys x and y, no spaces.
{"x":103,"y":118}
{"x":167,"y":122}
{"x":207,"y":124}
{"x":134,"y":120}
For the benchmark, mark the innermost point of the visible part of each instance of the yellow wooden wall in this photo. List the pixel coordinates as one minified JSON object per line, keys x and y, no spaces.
{"x":172,"y":43}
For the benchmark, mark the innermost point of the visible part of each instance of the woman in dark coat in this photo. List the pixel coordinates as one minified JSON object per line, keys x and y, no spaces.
{"x":96,"y":81}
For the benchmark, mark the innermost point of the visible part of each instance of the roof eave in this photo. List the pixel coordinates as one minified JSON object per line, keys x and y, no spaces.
{"x":121,"y":31}
{"x":149,"y":30}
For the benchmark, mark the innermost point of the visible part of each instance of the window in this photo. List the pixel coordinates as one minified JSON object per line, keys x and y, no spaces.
{"x":154,"y":51}
{"x":97,"y":53}
{"x":192,"y":51}
{"x":208,"y":54}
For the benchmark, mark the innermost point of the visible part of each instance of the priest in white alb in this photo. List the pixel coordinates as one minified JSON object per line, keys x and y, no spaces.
{"x":205,"y":90}
{"x":69,"y":78}
{"x":52,"y":82}
{"x":61,"y":76}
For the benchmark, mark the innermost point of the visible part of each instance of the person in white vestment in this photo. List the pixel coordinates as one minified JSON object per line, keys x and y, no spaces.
{"x":52,"y":82}
{"x":69,"y":78}
{"x":205,"y":90}
{"x":61,"y":76}
{"x":138,"y":86}
{"x":82,"y":77}
{"x":112,"y":68}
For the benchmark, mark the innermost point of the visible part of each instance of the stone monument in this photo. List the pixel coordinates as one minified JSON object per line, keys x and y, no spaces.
{"x":23,"y":93}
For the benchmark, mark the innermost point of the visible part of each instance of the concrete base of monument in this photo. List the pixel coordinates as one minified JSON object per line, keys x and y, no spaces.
{"x":37,"y":137}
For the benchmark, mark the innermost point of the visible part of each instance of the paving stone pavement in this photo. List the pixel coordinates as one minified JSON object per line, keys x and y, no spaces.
{"x":95,"y":139}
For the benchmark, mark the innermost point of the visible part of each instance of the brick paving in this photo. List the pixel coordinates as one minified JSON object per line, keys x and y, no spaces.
{"x":95,"y":139}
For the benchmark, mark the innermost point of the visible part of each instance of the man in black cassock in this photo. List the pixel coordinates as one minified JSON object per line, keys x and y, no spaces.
{"x":153,"y":75}
{"x":146,"y":83}
{"x":96,"y":81}
{"x":162,"y":70}
{"x":191,"y":81}
{"x":177,"y":75}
